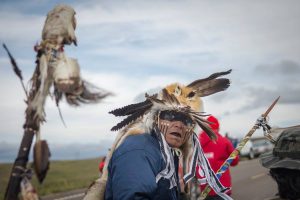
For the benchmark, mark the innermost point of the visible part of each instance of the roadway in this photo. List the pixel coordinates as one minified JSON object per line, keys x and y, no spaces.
{"x":251,"y":181}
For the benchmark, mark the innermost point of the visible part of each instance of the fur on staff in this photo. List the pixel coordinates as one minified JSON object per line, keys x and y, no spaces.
{"x":60,"y":25}
{"x":55,"y":69}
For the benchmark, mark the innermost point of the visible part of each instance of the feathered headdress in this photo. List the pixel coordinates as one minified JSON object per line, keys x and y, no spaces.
{"x":141,"y":118}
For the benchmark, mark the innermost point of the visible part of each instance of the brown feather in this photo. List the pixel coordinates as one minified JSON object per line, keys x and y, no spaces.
{"x":212,"y":76}
{"x":211,"y":84}
{"x":128,"y":120}
{"x":207,"y":130}
{"x":132,"y":108}
{"x":86,"y":93}
{"x":41,"y":156}
{"x":198,"y":117}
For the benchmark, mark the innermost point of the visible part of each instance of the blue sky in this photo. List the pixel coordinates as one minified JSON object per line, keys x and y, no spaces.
{"x":131,"y":47}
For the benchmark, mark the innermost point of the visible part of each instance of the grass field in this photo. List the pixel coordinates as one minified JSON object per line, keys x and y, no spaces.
{"x":62,"y":176}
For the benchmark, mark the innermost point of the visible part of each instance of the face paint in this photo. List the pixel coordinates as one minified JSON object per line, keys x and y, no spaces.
{"x":172,"y":115}
{"x":177,"y":129}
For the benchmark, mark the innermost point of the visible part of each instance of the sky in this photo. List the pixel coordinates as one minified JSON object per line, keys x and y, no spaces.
{"x":137,"y":46}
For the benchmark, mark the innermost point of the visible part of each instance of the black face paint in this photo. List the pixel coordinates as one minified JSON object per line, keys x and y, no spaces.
{"x":172,"y":115}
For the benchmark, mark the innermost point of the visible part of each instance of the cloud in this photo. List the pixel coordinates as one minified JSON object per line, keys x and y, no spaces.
{"x":16,"y":32}
{"x":283,"y":68}
{"x":129,"y":47}
{"x":261,"y":97}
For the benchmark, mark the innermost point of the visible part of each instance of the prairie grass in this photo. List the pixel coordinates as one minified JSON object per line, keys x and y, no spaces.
{"x":62,"y":176}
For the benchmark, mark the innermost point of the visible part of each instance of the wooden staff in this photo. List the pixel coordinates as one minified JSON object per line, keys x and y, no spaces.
{"x":236,"y":151}
{"x":53,"y":68}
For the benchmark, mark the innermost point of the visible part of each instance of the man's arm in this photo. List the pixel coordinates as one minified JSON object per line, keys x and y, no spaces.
{"x":132,"y":176}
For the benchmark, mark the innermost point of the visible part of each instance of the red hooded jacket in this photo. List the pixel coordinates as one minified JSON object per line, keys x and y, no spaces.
{"x":217,"y":152}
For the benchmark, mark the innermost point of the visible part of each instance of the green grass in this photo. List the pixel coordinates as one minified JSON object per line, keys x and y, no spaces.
{"x":62,"y":176}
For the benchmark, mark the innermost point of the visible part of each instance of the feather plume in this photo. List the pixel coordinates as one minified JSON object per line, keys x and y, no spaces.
{"x":13,"y":63}
{"x":211,"y":84}
{"x":212,"y":76}
{"x":133,"y":117}
{"x":16,"y":69}
{"x":207,"y":130}
{"x":200,"y":117}
{"x":132,"y":108}
{"x":86,"y":93}
{"x":41,"y":156}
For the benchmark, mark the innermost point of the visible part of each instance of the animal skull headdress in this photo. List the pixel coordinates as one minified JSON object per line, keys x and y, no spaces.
{"x":142,"y":118}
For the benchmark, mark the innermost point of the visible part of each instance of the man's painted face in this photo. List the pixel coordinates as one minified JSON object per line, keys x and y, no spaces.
{"x":176,"y":127}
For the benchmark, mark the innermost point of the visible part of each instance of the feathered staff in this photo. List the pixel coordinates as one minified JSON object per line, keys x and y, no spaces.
{"x":53,"y":69}
{"x":261,"y":122}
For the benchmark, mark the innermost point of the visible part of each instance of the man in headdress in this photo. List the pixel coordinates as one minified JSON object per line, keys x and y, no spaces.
{"x":143,"y":162}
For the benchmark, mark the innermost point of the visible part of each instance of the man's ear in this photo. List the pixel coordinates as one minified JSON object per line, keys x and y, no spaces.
{"x":211,"y":84}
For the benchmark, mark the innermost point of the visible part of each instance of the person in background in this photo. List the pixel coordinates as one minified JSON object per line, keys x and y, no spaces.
{"x":101,"y":164}
{"x":284,"y":163}
{"x":216,"y":152}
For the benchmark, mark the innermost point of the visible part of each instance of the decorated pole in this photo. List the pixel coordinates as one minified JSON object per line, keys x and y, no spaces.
{"x":261,"y":122}
{"x":53,"y":70}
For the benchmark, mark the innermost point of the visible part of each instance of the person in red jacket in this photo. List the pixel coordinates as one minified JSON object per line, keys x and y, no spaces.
{"x":216,"y":152}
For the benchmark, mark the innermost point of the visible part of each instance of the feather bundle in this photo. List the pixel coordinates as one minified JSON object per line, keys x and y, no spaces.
{"x":54,"y":68}
{"x":67,"y":74}
{"x":41,"y":154}
{"x":67,"y":80}
{"x":132,"y":108}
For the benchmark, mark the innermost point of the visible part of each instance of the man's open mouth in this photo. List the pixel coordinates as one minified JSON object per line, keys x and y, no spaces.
{"x":176,"y":134}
